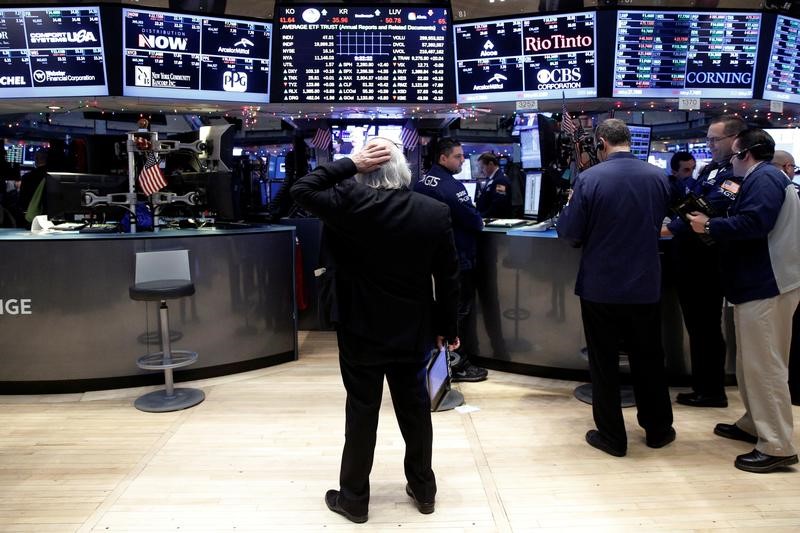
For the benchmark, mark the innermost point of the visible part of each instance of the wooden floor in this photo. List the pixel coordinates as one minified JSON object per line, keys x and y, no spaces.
{"x":260,"y":452}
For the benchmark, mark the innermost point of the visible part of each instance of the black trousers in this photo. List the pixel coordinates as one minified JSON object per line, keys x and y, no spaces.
{"x":467,"y":317}
{"x":364,"y":385}
{"x":701,"y":302}
{"x":638,"y":327}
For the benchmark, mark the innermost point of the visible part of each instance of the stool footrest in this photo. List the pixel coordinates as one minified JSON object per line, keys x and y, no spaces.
{"x":155,"y":360}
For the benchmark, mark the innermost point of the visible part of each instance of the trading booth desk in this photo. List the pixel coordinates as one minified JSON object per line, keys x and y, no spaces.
{"x":68,"y":324}
{"x":529,"y":318}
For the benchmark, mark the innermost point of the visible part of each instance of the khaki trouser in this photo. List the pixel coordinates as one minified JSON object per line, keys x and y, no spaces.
{"x":763,"y":337}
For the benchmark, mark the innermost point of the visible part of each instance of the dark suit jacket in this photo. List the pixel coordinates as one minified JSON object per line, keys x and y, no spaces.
{"x":386,"y":245}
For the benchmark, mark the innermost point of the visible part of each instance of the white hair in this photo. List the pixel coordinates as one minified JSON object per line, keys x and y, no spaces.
{"x":394,"y":174}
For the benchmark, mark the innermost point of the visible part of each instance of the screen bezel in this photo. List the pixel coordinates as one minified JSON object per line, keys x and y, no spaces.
{"x":277,"y":72}
{"x":439,"y":357}
{"x":68,"y":91}
{"x":665,"y":93}
{"x":190,"y":94}
{"x":471,"y":22}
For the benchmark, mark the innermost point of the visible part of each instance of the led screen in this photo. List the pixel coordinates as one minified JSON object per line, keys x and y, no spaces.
{"x":783,"y":70}
{"x":50,"y":52}
{"x":194,"y":57}
{"x":538,"y":58}
{"x":383,"y":54}
{"x":640,"y":141}
{"x":673,"y":54}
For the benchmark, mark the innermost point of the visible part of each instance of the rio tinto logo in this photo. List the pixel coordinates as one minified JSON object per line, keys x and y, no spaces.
{"x":557,"y":42}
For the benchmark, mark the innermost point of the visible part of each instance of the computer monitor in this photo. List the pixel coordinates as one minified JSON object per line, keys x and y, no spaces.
{"x":218,"y":191}
{"x":466,"y":170}
{"x":472,"y":188}
{"x":64,"y":194}
{"x":640,"y":141}
{"x":533,"y":190}
{"x":438,"y":377}
{"x":530,"y":149}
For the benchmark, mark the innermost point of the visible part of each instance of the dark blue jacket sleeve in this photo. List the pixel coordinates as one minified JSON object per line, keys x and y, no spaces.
{"x":573,"y":220}
{"x":755,"y":211}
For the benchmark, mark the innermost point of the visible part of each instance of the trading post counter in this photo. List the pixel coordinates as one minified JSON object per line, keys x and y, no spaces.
{"x":529,"y":318}
{"x":67,"y":322}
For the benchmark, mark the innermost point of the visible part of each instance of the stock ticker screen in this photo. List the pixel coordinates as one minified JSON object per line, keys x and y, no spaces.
{"x":330,"y":53}
{"x":673,"y":54}
{"x":783,"y":70}
{"x":47,"y":52}
{"x":540,"y":58}
{"x":195,"y":57}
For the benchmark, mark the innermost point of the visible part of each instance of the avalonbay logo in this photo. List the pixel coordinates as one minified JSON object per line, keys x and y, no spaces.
{"x":60,"y":37}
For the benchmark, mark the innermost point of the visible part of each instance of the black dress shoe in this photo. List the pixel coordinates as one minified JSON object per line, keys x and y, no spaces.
{"x":661,"y":438}
{"x":732,"y":431}
{"x":762,"y":463}
{"x":597,"y":440}
{"x":693,"y":399}
{"x":332,"y":501}
{"x":424,"y":507}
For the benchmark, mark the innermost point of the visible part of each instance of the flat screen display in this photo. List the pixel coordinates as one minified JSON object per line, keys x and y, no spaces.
{"x":783,"y":69}
{"x":533,"y":189}
{"x":195,"y":57}
{"x":680,"y":53}
{"x":466,"y":171}
{"x":530,"y":150}
{"x":540,"y":58}
{"x":380,"y":54}
{"x":51,"y":52}
{"x":640,"y":141}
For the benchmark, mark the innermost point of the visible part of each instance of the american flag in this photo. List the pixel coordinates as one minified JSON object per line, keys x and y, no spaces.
{"x":151,"y":179}
{"x":409,"y":136}
{"x":321,"y":139}
{"x":567,"y":125}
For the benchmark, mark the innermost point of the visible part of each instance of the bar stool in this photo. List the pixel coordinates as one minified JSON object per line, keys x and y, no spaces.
{"x":162,"y":276}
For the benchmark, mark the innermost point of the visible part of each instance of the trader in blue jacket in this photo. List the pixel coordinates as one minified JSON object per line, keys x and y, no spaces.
{"x":494,"y":197}
{"x":760,"y":258}
{"x":700,"y":295}
{"x":615,"y":214}
{"x":440,"y":184}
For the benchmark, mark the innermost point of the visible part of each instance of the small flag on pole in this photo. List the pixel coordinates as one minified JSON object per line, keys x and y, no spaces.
{"x":321,"y":139}
{"x":567,"y":125}
{"x":409,"y":136}
{"x":151,"y":179}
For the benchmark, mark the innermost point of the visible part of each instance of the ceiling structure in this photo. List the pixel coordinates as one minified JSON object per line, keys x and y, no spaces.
{"x":653,"y":110}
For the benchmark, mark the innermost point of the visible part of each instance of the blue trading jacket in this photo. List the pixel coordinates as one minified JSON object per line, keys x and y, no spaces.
{"x":494,"y":198}
{"x":467,"y":222}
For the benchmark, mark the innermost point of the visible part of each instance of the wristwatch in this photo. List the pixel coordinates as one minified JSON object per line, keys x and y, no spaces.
{"x":707,"y":227}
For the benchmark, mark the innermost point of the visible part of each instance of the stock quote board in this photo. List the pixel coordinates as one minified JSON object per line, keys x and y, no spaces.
{"x":51,"y":52}
{"x":678,"y":53}
{"x":783,"y":71}
{"x":540,"y":58}
{"x":195,"y":57}
{"x":385,"y":54}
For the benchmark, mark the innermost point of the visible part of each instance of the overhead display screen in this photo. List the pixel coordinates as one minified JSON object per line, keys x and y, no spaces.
{"x":783,"y":70}
{"x":49,"y":52}
{"x":331,"y":53}
{"x":195,"y":57}
{"x":535,"y":58}
{"x":673,"y":54}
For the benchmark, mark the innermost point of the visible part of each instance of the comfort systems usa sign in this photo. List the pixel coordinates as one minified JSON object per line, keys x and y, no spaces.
{"x":54,"y":51}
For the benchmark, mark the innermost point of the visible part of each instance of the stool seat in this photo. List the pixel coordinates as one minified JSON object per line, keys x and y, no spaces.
{"x":161,"y":289}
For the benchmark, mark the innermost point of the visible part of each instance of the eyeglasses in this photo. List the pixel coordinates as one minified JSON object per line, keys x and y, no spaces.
{"x":715,"y":140}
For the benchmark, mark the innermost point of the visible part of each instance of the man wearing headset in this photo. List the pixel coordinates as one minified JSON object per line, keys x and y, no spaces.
{"x":693,"y":255}
{"x":760,"y":254}
{"x":615,"y":214}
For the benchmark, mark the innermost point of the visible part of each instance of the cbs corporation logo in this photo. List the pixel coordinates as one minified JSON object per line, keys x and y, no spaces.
{"x":39,"y":76}
{"x":559,"y":75}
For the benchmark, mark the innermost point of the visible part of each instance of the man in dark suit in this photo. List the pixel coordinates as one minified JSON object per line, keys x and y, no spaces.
{"x":494,"y":197}
{"x":615,"y":214}
{"x":386,"y":242}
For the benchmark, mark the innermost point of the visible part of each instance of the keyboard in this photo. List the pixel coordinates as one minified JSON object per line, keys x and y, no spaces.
{"x":101,"y":228}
